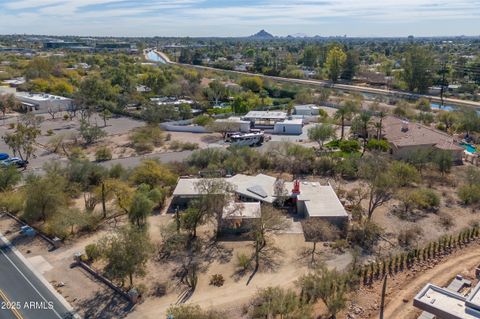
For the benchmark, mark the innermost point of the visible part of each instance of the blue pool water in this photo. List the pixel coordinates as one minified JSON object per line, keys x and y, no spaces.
{"x":154,"y":57}
{"x":469,"y":148}
{"x":448,"y":108}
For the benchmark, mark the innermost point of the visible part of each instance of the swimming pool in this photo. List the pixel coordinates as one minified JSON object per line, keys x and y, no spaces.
{"x":469,"y":148}
{"x":448,"y":108}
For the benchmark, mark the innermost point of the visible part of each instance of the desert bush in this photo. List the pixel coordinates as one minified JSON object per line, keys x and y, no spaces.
{"x":77,"y":153}
{"x":446,"y":221}
{"x":12,"y":201}
{"x":217,"y":280}
{"x":409,"y":237}
{"x":103,"y":154}
{"x":404,"y":173}
{"x":145,"y":139}
{"x":183,"y":146}
{"x":92,"y":251}
{"x":49,"y":132}
{"x":243,"y":261}
{"x":469,"y":194}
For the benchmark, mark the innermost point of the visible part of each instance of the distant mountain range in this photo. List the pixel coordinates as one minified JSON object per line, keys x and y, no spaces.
{"x":262,"y":35}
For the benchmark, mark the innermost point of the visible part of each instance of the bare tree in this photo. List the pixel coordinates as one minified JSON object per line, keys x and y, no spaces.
{"x":271,"y":221}
{"x":317,"y":231}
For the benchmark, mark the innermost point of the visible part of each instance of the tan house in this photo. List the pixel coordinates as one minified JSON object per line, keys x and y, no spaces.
{"x":406,"y":137}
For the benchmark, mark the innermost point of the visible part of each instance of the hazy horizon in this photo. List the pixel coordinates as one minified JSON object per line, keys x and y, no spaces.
{"x":217,"y":18}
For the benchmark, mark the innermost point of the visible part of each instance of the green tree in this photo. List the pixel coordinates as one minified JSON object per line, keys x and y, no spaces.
{"x":126,"y":253}
{"x":91,"y":133}
{"x":46,"y":196}
{"x":417,"y":69}
{"x":404,"y":174}
{"x":335,"y":63}
{"x":321,"y":133}
{"x":140,"y":208}
{"x":22,"y":141}
{"x":379,"y":183}
{"x":443,"y":160}
{"x":327,"y":285}
{"x":254,"y":84}
{"x":9,"y":177}
{"x":344,"y":113}
{"x":351,"y":65}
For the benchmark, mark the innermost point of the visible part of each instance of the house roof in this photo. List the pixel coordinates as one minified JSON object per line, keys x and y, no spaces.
{"x":403,"y":133}
{"x":320,"y":200}
{"x":235,"y":210}
{"x":274,"y":115}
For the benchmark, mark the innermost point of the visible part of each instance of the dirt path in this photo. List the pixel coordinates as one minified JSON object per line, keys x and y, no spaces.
{"x":461,"y":261}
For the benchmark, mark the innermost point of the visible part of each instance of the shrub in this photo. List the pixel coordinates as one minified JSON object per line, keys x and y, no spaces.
{"x":103,"y":154}
{"x":12,"y":201}
{"x":49,"y":132}
{"x":404,"y":174}
{"x":408,"y":237}
{"x":202,"y":120}
{"x":243,"y":261}
{"x":77,"y":153}
{"x":446,"y":221}
{"x":145,"y":139}
{"x":217,"y":280}
{"x":469,"y":194}
{"x":11,"y":126}
{"x":378,"y":145}
{"x":92,"y":251}
{"x":350,"y":146}
{"x":183,"y":146}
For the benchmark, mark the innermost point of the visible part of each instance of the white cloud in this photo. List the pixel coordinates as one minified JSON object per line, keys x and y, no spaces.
{"x":189,"y":17}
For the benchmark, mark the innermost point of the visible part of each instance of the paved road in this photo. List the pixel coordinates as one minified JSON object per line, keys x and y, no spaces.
{"x":20,"y":287}
{"x":345,"y":87}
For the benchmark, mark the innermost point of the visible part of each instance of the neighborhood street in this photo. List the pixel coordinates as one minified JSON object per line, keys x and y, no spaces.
{"x":23,"y":294}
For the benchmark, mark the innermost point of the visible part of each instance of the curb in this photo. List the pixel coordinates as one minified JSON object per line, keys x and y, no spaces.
{"x":57,"y":295}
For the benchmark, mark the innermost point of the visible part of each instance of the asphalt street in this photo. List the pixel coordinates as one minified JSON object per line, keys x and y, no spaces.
{"x":22,"y":294}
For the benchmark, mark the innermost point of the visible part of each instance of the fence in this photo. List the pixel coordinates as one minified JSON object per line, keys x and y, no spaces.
{"x":406,"y":260}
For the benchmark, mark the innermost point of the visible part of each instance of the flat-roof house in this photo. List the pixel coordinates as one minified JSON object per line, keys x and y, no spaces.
{"x":406,"y":137}
{"x":306,"y":110}
{"x":289,"y":127}
{"x":42,"y":102}
{"x":279,"y":121}
{"x":265,"y":119}
{"x":446,"y":303}
{"x":312,"y":199}
{"x":235,"y":124}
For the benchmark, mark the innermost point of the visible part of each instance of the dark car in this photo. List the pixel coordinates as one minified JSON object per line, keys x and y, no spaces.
{"x":3,"y":156}
{"x":18,"y":162}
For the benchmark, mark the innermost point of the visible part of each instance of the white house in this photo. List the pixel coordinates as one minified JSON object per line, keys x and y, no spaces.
{"x":289,"y":127}
{"x":306,"y":110}
{"x":42,"y":102}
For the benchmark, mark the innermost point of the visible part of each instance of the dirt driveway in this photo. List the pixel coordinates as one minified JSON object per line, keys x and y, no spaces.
{"x":463,"y":261}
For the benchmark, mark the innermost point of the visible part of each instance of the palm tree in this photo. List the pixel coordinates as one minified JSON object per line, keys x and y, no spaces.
{"x":379,"y":125}
{"x":344,"y":112}
{"x":364,"y":118}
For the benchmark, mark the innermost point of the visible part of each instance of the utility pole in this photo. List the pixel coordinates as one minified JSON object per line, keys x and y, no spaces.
{"x":384,"y":291}
{"x":443,"y":71}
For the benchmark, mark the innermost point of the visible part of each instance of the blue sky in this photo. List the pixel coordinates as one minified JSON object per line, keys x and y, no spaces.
{"x":240,"y":17}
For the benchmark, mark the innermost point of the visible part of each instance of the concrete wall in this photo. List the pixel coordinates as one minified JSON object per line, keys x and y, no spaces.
{"x":183,"y":126}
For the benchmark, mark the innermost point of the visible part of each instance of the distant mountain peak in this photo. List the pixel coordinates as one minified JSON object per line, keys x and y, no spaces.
{"x":262,"y":34}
